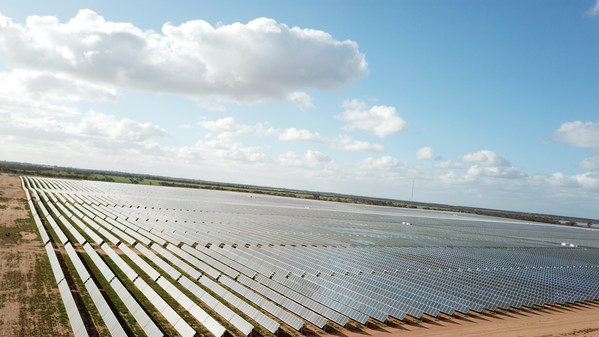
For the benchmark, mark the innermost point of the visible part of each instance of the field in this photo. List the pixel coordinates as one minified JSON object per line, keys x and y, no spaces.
{"x":148,"y":260}
{"x":30,"y":304}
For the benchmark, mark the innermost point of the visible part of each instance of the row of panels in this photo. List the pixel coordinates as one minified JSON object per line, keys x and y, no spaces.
{"x":102,"y":237}
{"x":280,"y":261}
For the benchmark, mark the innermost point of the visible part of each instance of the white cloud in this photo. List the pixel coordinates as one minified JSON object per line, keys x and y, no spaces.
{"x":228,"y":128}
{"x":316,"y":157}
{"x":484,"y":163}
{"x":590,"y":164}
{"x":495,"y":172}
{"x":425,"y":153}
{"x":52,"y":87}
{"x":579,"y":134}
{"x":387,"y":170}
{"x":585,"y":181}
{"x":14,"y":106}
{"x":485,"y":158}
{"x":95,"y":124}
{"x":301,"y":99}
{"x":450,"y":164}
{"x":289,"y":159}
{"x":594,"y":10}
{"x":345,"y":143}
{"x":383,"y":121}
{"x":226,"y":149}
{"x":246,"y":63}
{"x":79,"y":135}
{"x":311,"y":159}
{"x":226,"y":124}
{"x":293,"y":134}
{"x":381,"y":163}
{"x":92,"y":125}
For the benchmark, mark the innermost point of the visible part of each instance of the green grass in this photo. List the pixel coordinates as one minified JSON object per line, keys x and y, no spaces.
{"x":104,"y":287}
{"x":113,"y":298}
{"x":187,"y":317}
{"x":160,"y":321}
{"x":12,"y":235}
{"x":43,"y":306}
{"x":35,"y":290}
{"x":87,"y":300}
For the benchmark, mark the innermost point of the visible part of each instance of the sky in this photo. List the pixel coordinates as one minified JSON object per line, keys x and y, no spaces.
{"x":491,"y":104}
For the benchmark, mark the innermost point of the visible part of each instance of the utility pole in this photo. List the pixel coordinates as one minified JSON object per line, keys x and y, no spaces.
{"x":412,"y":197}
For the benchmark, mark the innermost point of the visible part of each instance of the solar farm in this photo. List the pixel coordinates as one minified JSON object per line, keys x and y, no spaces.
{"x":161,"y":261}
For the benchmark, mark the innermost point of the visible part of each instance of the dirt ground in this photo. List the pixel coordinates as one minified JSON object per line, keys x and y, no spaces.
{"x":552,"y":321}
{"x":30,"y":304}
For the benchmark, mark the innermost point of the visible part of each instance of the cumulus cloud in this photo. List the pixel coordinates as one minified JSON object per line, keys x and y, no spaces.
{"x":485,"y":158}
{"x":316,"y":157}
{"x":495,"y":172}
{"x":345,"y":143}
{"x":227,"y":127}
{"x":590,"y":164}
{"x":579,"y":134}
{"x":425,"y":153}
{"x":484,"y":163}
{"x":261,"y":59}
{"x":382,"y":121}
{"x":94,"y":124}
{"x":226,"y":124}
{"x":586,"y":181}
{"x":382,"y":163}
{"x":310,"y":159}
{"x":90,"y":132}
{"x":386,"y":169}
{"x":293,"y":134}
{"x":52,"y":87}
{"x":450,"y":164}
{"x":301,"y":99}
{"x":234,"y":151}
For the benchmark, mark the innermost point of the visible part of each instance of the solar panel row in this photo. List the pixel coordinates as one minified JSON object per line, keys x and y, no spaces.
{"x":320,"y":261}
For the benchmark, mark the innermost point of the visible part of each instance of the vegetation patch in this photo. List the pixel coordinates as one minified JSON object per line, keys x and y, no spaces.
{"x":30,"y":304}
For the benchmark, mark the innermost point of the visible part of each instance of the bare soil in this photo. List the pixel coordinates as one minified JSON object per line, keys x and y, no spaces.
{"x":581,"y":319}
{"x":30,"y":304}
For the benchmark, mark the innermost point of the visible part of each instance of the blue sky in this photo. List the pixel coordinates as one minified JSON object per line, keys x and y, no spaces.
{"x":479,"y":103}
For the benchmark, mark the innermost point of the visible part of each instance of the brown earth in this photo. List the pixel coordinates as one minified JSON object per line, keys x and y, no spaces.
{"x":30,"y":304}
{"x":581,"y":319}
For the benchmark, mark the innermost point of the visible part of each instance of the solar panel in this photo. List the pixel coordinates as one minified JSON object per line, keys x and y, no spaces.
{"x":79,"y":266}
{"x":142,"y":318}
{"x":325,"y":261}
{"x":54,"y":264}
{"x":104,"y":309}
